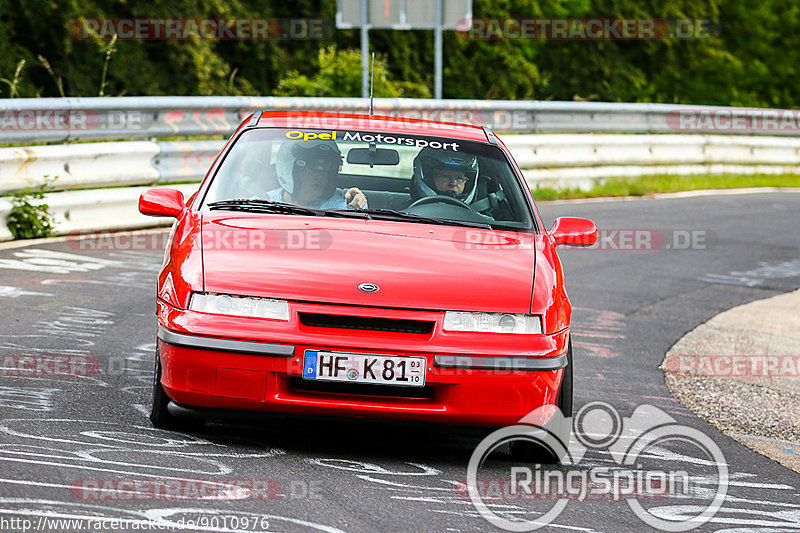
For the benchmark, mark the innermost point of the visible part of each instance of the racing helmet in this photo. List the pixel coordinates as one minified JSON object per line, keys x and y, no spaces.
{"x":429,"y":159}
{"x":314,"y":154}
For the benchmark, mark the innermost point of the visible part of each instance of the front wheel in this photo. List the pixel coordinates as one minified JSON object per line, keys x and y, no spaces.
{"x":159,"y":414}
{"x":532,"y":452}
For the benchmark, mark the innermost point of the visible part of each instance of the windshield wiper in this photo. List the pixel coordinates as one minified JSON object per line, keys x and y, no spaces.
{"x":392,"y":214}
{"x":264,"y":206}
{"x":347,"y":213}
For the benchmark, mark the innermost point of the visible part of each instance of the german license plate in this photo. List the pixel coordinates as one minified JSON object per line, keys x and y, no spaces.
{"x":364,"y":368}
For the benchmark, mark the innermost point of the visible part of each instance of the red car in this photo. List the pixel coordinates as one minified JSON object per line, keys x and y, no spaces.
{"x":362,"y":266}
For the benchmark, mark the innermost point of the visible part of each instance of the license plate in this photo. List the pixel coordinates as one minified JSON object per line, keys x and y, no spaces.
{"x":364,"y":368}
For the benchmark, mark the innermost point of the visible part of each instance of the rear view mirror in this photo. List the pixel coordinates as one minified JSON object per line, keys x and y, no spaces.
{"x":574,"y":231}
{"x":373,"y":156}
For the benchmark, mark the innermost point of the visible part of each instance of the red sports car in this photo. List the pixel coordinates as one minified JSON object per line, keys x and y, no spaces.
{"x":363,"y":266}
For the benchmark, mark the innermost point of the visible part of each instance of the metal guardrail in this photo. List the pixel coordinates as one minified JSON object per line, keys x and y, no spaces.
{"x":28,"y":120}
{"x":557,"y":159}
{"x":578,"y":160}
{"x":94,"y":165}
{"x":185,"y":161}
{"x":78,"y":166}
{"x":581,"y":150}
{"x":96,"y":210}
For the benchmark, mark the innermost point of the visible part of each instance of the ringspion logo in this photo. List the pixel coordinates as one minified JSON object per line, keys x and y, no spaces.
{"x":635,"y":473}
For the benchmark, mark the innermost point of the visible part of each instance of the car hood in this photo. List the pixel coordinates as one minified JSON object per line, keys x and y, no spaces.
{"x":417,"y":266}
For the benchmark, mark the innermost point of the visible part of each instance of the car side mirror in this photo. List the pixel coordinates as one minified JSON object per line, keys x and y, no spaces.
{"x":574,"y":231}
{"x":161,"y":203}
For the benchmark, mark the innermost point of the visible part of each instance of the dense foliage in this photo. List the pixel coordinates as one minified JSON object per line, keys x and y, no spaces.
{"x":753,"y":61}
{"x":30,"y":217}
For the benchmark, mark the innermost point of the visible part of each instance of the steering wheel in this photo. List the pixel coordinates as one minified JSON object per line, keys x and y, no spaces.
{"x":440,"y":198}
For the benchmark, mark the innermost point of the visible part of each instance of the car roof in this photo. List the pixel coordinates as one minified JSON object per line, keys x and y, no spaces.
{"x":372,"y":123}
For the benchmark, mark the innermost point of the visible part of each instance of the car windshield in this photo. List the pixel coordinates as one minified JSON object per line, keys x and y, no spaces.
{"x":409,"y":178}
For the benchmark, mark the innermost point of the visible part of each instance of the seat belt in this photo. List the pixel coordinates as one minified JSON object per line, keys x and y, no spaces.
{"x":492,"y":200}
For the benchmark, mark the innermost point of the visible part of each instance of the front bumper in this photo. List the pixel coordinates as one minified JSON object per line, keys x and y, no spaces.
{"x":251,"y":364}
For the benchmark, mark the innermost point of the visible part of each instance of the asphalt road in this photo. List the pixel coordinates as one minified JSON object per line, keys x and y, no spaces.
{"x":64,"y":437}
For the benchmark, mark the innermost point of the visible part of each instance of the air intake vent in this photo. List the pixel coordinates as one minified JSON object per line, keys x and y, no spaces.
{"x":366,"y":322}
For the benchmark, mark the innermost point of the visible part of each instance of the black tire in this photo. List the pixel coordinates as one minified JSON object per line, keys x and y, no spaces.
{"x":565,"y":393}
{"x":159,"y":414}
{"x":531,"y":452}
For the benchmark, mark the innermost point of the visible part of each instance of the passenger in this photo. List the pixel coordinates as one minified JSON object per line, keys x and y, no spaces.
{"x":307,"y":172}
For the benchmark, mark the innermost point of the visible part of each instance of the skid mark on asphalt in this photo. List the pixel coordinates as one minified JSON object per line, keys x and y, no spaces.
{"x":87,"y":446}
{"x":756,"y":276}
{"x":793,"y":448}
{"x":142,"y":409}
{"x":76,"y":327}
{"x":49,"y":512}
{"x":15,"y":292}
{"x":137,"y":368}
{"x":27,"y":398}
{"x":440,"y":492}
{"x":424,"y":485}
{"x":77,"y":322}
{"x":133,"y":279}
{"x":95,"y":454}
{"x":40,"y":260}
{"x":668,"y":404}
{"x":595,"y":331}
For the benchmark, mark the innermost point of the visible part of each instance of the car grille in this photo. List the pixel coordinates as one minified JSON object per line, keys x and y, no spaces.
{"x":396,"y":325}
{"x":361,"y":389}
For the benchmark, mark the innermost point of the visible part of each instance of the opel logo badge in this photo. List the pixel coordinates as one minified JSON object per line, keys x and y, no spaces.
{"x":368,"y":287}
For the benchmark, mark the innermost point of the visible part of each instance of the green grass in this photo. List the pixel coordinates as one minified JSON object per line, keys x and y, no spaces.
{"x":645,"y":185}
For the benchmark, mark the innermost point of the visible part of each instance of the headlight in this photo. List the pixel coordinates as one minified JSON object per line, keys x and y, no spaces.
{"x":225,"y":304}
{"x":492,"y":322}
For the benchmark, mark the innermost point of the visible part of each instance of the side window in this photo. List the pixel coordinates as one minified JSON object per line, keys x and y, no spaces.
{"x":246,"y":172}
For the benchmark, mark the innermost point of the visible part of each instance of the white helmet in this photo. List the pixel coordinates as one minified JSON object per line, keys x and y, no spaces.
{"x":313,"y":154}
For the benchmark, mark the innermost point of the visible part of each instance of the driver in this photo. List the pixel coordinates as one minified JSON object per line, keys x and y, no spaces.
{"x":442,"y":172}
{"x":307,"y":173}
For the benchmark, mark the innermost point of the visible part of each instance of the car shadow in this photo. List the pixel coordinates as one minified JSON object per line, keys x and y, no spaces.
{"x":363,"y":439}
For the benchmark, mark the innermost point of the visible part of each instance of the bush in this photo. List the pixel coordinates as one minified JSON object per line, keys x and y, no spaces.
{"x":340,"y":75}
{"x":30,"y":218}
